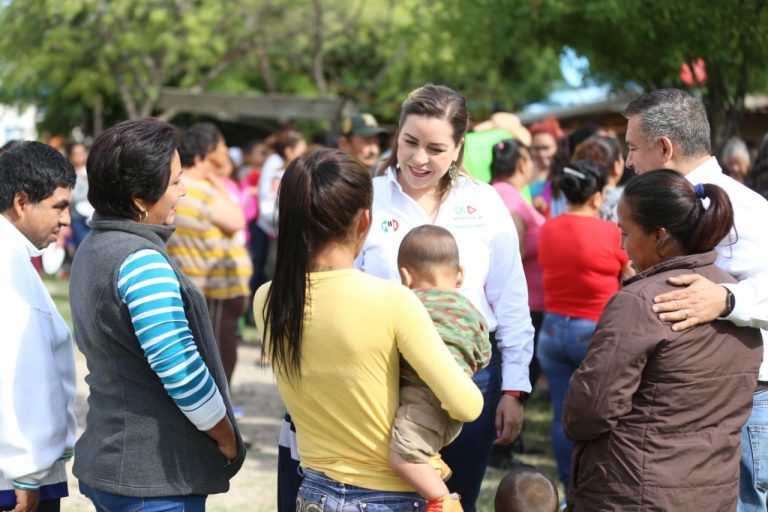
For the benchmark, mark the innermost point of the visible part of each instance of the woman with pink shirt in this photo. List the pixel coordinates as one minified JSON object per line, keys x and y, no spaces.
{"x":511,"y":170}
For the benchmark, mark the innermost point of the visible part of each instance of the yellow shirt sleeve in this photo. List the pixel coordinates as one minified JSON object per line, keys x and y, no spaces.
{"x":344,"y":404}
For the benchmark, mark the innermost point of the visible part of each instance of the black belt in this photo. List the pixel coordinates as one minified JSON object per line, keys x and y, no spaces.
{"x":762,"y":385}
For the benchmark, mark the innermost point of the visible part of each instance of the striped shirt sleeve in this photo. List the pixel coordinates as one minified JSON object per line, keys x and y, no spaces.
{"x":148,"y":286}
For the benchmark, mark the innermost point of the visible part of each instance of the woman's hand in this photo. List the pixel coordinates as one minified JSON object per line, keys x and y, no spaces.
{"x":229,"y":451}
{"x":224,"y":435}
{"x":509,"y":420}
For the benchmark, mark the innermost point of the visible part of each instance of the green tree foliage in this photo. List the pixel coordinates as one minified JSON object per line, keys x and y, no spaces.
{"x":54,"y":51}
{"x":632,"y":42}
{"x":486,"y":49}
{"x":111,"y":58}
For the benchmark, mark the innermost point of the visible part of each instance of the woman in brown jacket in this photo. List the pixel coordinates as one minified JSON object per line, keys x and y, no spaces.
{"x":656,"y":413}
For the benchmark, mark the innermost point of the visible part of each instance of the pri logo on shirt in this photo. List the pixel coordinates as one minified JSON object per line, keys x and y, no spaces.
{"x":390,"y":225}
{"x":461,"y":210}
{"x":467,"y":216}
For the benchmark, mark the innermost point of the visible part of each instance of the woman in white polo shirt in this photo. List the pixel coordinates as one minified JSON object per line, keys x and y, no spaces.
{"x":423,"y":182}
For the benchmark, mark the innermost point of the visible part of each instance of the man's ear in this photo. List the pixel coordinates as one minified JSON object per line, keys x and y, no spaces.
{"x":344,"y":144}
{"x":20,"y":202}
{"x":405,"y":276}
{"x":667,"y":148}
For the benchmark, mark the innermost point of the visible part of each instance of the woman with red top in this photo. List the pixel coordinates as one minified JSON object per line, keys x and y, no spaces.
{"x":583,"y":261}
{"x":511,"y":170}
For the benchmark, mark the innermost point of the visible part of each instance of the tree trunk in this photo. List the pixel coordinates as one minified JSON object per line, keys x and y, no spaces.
{"x":265,"y":67}
{"x":168,"y":114}
{"x":98,"y":115}
{"x":127,"y":99}
{"x":725,"y":110}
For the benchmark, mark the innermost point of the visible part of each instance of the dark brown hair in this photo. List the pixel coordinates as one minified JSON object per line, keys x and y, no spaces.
{"x":666,"y":199}
{"x":426,"y":247}
{"x":320,"y":196}
{"x":581,"y":180}
{"x":287,"y":139}
{"x":505,"y":156}
{"x":35,"y":169}
{"x":566,"y":145}
{"x":438,"y":102}
{"x":130,"y":160}
{"x":604,"y":151}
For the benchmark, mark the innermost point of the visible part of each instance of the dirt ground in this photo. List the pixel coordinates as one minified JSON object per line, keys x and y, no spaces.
{"x":253,"y":389}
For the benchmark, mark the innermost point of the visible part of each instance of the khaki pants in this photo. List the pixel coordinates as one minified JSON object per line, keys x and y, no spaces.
{"x":421,"y":428}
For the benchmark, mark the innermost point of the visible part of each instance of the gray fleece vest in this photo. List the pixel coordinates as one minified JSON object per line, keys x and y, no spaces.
{"x":137,"y":442}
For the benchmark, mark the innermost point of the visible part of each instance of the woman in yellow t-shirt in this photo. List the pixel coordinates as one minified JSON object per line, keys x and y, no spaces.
{"x":334,"y":336}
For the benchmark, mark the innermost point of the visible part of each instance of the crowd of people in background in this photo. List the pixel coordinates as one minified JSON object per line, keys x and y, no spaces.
{"x":627,"y":275}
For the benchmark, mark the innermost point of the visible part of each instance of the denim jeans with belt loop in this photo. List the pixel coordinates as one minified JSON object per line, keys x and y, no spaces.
{"x":319,"y":493}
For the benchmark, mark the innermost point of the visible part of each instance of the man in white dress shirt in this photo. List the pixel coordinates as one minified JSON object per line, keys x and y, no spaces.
{"x":668,"y":128}
{"x":37,"y":368}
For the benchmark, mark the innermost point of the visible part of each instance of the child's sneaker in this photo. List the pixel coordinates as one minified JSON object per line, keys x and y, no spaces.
{"x":448,"y":503}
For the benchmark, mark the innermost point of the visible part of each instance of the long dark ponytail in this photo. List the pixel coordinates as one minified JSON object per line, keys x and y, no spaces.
{"x":320,"y":196}
{"x":666,"y":199}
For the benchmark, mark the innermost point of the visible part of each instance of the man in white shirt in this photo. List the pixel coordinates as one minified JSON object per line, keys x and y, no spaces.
{"x":37,"y":368}
{"x":668,"y":128}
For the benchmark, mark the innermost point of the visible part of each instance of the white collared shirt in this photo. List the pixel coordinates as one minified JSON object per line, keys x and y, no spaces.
{"x":743,"y":254}
{"x":267,"y":220}
{"x":37,"y":371}
{"x":489,"y":251}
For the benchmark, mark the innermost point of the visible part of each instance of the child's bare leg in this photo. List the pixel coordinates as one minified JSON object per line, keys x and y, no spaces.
{"x":421,"y":477}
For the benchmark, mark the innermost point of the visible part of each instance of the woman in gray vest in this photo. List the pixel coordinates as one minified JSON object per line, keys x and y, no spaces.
{"x":160,"y":430}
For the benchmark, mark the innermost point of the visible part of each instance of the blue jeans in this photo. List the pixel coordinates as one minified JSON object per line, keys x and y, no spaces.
{"x":106,"y":502}
{"x":470,"y":453}
{"x":753,"y":485}
{"x":318,"y":493}
{"x":79,"y":230}
{"x":563,"y":342}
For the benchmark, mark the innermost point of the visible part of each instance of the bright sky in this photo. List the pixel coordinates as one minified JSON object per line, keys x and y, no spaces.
{"x":573,"y":68}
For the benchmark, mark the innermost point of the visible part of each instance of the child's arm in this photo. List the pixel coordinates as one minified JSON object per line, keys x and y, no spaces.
{"x":421,"y":476}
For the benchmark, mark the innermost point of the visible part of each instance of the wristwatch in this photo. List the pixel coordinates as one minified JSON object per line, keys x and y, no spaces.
{"x":730,"y":301}
{"x":520,"y":395}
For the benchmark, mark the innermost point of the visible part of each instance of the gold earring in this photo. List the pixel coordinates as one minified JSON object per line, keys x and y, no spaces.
{"x":143,"y":214}
{"x":453,"y":171}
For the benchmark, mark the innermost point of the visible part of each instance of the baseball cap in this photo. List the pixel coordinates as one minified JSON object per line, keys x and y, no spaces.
{"x":363,"y":124}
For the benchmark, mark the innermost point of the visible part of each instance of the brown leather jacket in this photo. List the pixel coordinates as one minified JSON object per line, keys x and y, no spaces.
{"x":657,"y":414}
